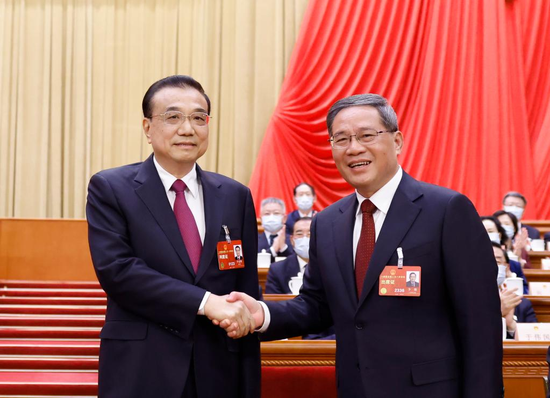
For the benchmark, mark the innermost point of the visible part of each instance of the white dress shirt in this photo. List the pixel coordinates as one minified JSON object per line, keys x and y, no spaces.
{"x":302,"y":263}
{"x":194,"y":199}
{"x":382,"y":200}
{"x":268,"y":234}
{"x":193,"y":194}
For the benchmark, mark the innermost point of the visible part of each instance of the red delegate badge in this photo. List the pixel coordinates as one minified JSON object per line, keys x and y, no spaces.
{"x":230,"y":255}
{"x":400,"y":281}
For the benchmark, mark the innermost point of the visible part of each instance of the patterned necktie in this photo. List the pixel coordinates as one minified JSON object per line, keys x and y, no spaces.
{"x":365,"y":247}
{"x":187,"y":225}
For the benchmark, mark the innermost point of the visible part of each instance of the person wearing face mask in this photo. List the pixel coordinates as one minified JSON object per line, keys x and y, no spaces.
{"x":498,"y":236}
{"x":515,"y":203}
{"x":304,"y":198}
{"x":518,"y":240}
{"x":513,"y":307}
{"x":274,"y":239}
{"x":281,"y":272}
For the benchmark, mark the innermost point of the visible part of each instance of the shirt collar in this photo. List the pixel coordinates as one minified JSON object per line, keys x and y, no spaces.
{"x":190,"y":179}
{"x":383,"y":197}
{"x":301,"y":262}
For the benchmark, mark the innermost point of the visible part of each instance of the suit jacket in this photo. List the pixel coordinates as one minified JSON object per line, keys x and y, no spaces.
{"x":263,"y":243}
{"x":525,"y":312}
{"x":547,"y":237}
{"x":412,"y":284}
{"x":280,"y":273}
{"x":277,"y":283}
{"x":435,"y":345}
{"x":152,"y":334}
{"x":532,"y":231}
{"x":291,"y":220}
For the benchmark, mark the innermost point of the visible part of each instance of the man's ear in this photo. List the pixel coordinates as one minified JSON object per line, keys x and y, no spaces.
{"x":146,"y":127}
{"x":398,"y":140}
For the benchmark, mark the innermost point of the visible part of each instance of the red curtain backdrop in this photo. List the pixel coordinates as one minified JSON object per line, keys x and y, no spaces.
{"x":469,"y":80}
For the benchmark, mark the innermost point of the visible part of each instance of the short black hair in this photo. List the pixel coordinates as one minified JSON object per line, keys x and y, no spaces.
{"x":306,"y":184}
{"x":503,"y":251}
{"x":181,"y":81}
{"x":515,"y":194}
{"x":385,"y":110}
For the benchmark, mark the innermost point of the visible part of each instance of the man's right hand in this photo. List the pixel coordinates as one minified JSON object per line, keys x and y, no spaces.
{"x":238,"y":320}
{"x":256,"y":311}
{"x":509,"y":300}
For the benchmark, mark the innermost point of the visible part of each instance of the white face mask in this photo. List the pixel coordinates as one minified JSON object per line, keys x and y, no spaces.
{"x":301,"y":247}
{"x":515,"y":210}
{"x":494,"y":236}
{"x":272,"y":223}
{"x":509,"y":231}
{"x":304,"y":202}
{"x":501,"y":277}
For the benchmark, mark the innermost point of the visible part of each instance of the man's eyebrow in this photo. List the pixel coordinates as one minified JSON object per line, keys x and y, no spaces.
{"x":175,"y":108}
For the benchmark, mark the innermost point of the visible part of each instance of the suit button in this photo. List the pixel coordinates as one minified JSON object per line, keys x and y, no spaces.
{"x":359,"y":326}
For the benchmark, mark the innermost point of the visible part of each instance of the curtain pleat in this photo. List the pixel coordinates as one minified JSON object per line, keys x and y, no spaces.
{"x":73,"y":74}
{"x":469,"y":81}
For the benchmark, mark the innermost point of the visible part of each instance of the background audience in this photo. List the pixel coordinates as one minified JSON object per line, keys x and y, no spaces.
{"x":304,"y":198}
{"x":274,"y":239}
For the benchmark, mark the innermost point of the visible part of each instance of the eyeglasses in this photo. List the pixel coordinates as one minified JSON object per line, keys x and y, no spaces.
{"x":365,"y":137}
{"x":176,"y":118}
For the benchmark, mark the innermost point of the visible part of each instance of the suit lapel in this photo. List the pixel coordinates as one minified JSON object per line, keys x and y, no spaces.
{"x":213,"y":211}
{"x":151,"y":191}
{"x":401,"y":215}
{"x":342,"y":229}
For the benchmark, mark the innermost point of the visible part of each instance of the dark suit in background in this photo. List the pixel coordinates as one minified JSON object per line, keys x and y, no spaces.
{"x":532,"y":232}
{"x":263,"y":243}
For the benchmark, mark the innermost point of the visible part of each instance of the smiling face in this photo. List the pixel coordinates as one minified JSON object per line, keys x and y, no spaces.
{"x":366,"y":168}
{"x":177,"y":148}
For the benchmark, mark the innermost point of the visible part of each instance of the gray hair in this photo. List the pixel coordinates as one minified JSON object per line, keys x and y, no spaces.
{"x":515,"y":194}
{"x":278,"y":201}
{"x":385,"y":110}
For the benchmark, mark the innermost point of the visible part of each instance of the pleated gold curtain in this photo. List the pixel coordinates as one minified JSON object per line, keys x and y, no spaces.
{"x":73,"y":74}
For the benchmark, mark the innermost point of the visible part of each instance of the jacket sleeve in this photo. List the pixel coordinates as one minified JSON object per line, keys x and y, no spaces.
{"x":126,"y":278}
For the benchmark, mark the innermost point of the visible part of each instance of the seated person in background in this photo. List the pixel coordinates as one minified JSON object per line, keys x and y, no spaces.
{"x":518,"y":239}
{"x":274,"y":239}
{"x":280,"y":272}
{"x":515,"y":203}
{"x":513,"y":307}
{"x":547,"y":237}
{"x":304,"y":197}
{"x":498,"y":236}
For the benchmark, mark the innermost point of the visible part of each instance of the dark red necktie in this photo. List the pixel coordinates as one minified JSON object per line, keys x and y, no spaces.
{"x":365,"y":247}
{"x":187,"y":224}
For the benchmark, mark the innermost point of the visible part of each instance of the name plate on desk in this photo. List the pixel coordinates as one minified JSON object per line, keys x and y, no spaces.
{"x":539,"y":288}
{"x":545,"y":263}
{"x":533,"y":332}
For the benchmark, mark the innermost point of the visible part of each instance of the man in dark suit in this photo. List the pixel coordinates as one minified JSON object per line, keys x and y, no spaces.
{"x":154,"y":247}
{"x":412,"y":280}
{"x":444,"y":340}
{"x":274,"y":239}
{"x":515,"y":203}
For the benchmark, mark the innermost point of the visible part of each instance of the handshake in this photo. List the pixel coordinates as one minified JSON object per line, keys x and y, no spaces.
{"x":237,"y":313}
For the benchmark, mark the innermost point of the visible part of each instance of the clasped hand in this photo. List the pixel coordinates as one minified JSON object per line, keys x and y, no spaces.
{"x":238,"y":314}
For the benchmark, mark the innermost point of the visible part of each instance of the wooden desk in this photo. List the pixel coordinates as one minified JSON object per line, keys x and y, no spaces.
{"x":537,"y":275}
{"x":523,"y":367}
{"x":536,"y":258}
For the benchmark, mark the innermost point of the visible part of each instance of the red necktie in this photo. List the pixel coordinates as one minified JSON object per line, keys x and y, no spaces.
{"x":365,"y":247}
{"x":187,"y":224}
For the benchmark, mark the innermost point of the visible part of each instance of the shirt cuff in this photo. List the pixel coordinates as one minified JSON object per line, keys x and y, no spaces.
{"x":267,"y":318}
{"x":273,"y":252}
{"x":203,"y":303}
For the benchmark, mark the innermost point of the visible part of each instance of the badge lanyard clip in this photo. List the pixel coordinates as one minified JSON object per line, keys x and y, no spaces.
{"x":227,"y":237}
{"x":399,"y":257}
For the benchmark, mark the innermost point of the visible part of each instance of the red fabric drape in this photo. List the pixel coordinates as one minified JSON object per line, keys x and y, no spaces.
{"x":470,"y":82}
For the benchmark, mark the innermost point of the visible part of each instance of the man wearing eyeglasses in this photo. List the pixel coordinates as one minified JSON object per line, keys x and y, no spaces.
{"x":440,"y":339}
{"x":161,"y":233}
